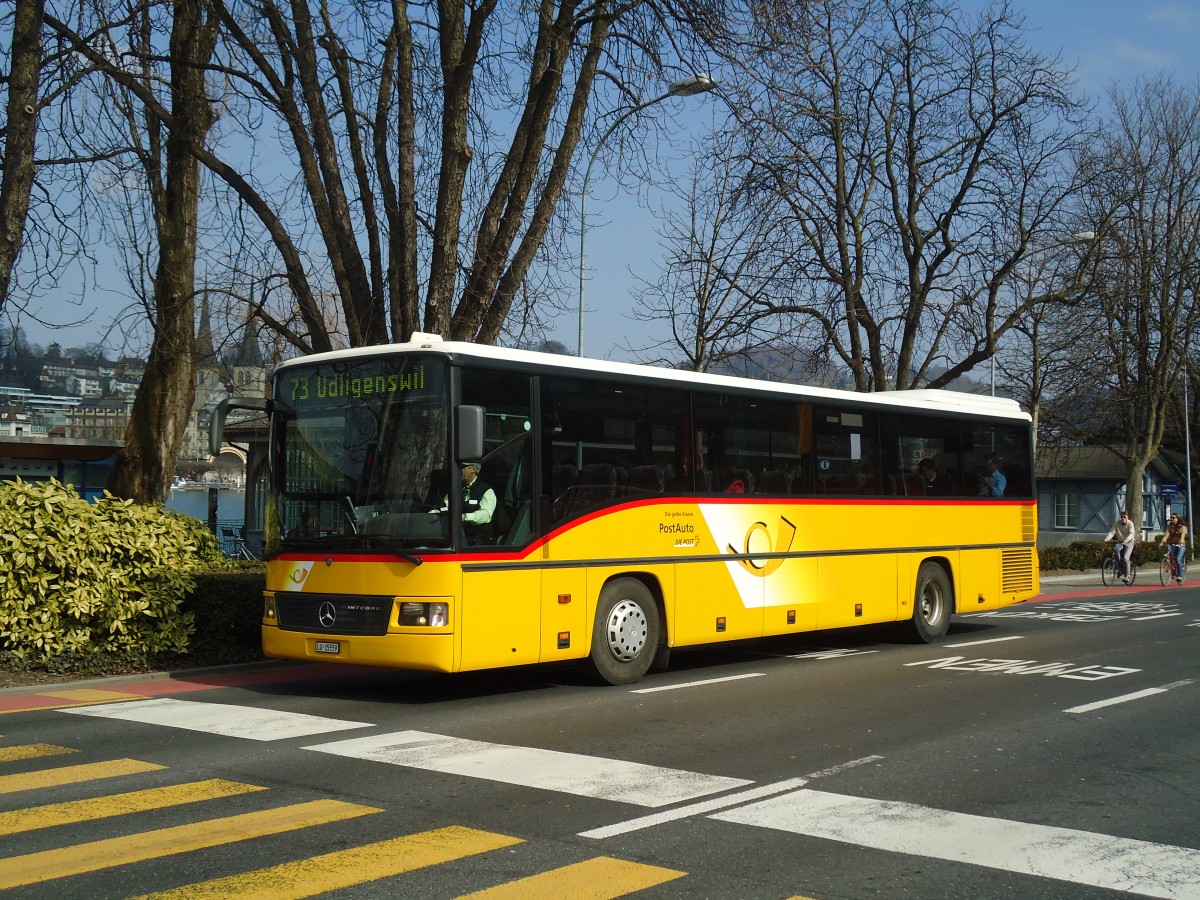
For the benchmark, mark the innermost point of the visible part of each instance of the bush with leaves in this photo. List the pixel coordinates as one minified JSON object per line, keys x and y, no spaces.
{"x":79,"y":578}
{"x":1085,"y":555}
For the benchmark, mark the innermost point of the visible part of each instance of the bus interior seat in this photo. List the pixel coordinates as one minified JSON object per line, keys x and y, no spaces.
{"x":647,"y":480}
{"x":519,"y":527}
{"x":597,"y":485}
{"x":774,"y":481}
{"x":562,"y":486}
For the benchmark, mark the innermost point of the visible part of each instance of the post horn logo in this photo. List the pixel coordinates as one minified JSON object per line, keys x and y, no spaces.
{"x":783,"y":543}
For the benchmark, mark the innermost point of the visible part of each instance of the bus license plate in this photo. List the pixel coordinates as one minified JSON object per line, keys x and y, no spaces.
{"x":327,"y":647}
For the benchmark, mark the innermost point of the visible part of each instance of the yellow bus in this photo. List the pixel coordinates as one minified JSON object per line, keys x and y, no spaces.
{"x":633,"y":509}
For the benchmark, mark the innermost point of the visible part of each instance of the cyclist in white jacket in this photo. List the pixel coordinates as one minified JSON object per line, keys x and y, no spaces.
{"x":1125,"y":534}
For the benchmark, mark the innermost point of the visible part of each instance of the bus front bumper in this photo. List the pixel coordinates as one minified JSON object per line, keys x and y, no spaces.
{"x":422,"y":652}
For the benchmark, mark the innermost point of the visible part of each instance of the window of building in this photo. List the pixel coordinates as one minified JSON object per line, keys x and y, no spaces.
{"x":1066,"y":510}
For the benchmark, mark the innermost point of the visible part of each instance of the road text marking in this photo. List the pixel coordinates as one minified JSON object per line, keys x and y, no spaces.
{"x":1025,"y":667}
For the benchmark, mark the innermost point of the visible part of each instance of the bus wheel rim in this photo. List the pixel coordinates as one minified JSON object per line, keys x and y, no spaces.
{"x":931,"y":604}
{"x":627,"y":630}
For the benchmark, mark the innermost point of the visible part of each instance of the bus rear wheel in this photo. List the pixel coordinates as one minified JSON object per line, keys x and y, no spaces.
{"x":625,"y":637}
{"x":933,"y":603}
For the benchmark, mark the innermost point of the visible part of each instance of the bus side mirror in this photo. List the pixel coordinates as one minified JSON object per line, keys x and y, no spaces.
{"x":469,"y":430}
{"x":216,"y":427}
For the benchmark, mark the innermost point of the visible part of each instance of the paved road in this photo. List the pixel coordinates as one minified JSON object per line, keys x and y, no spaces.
{"x":1047,"y":750}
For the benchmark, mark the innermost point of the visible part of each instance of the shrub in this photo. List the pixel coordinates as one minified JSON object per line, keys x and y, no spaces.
{"x":1084,"y":555}
{"x":227,"y":605}
{"x":78,"y":578}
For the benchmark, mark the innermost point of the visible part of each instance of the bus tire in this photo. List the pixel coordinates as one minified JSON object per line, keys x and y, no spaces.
{"x":933,"y":603}
{"x":625,"y":637}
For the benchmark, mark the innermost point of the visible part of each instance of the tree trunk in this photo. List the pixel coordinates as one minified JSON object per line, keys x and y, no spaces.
{"x":144,"y":467}
{"x":20,"y":133}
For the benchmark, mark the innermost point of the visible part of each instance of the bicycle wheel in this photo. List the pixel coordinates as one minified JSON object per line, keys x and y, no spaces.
{"x":1108,"y":572}
{"x":1164,"y":571}
{"x":1132,"y":572}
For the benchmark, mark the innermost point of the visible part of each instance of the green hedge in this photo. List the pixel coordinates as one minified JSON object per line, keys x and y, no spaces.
{"x":114,"y":580}
{"x":227,"y":605}
{"x":1085,"y":555}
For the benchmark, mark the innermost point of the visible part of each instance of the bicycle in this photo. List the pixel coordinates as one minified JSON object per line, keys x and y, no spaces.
{"x":1112,"y":565}
{"x":1166,"y":569}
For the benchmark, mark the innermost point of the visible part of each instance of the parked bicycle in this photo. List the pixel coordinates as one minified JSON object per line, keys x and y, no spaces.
{"x":1168,"y":570}
{"x":1110,"y":570}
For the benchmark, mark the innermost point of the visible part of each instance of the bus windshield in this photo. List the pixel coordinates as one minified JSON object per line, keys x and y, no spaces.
{"x":359,"y":456}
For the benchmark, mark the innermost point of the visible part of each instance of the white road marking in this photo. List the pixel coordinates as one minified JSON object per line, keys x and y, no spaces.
{"x":1125,"y":698}
{"x":694,"y":809}
{"x":689,"y":684}
{"x":218,"y":718}
{"x":705,"y":806}
{"x":831,"y":654}
{"x":1045,"y":851}
{"x":550,"y":770}
{"x":1152,"y":618}
{"x":1015,"y":637}
{"x":838,"y":769}
{"x":1113,"y":701}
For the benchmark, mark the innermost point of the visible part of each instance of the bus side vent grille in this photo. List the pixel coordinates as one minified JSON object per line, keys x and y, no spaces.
{"x":1029,"y":523}
{"x":1016,"y":571}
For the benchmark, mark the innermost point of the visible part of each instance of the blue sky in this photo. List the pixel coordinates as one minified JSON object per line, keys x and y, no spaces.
{"x":1104,"y":40}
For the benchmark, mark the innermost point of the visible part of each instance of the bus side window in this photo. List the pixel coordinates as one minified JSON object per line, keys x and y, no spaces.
{"x":508,"y":448}
{"x":611,"y":441}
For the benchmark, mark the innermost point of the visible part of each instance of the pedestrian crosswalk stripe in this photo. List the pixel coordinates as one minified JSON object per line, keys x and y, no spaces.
{"x":74,"y":811}
{"x":601,"y":878}
{"x":1045,"y":851}
{"x":91,"y":695}
{"x":346,"y":868}
{"x":219,"y":718}
{"x":551,"y":770}
{"x":63,"y":775}
{"x":31,"y":751}
{"x":47,"y":865}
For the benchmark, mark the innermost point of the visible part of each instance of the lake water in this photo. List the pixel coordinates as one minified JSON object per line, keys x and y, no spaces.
{"x":231,"y":503}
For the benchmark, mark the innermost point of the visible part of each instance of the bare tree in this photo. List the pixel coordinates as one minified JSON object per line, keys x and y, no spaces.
{"x":719,"y":238}
{"x":920,"y":153}
{"x":1144,"y":182}
{"x":433,"y":145}
{"x":144,"y":465}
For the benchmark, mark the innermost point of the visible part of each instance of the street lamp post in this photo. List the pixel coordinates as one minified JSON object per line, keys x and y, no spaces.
{"x":1187,"y":463}
{"x":684,"y":87}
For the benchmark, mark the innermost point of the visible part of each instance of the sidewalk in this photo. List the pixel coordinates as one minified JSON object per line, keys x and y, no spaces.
{"x":1092,"y":576}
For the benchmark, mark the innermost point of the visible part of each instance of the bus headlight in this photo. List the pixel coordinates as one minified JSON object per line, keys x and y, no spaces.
{"x":268,"y":605}
{"x":433,"y":615}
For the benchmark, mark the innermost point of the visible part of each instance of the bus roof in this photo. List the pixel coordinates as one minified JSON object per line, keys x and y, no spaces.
{"x":927,"y":399}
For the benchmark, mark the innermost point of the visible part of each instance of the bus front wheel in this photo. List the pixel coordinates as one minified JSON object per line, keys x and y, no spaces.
{"x":933,"y":603}
{"x":625,"y":638}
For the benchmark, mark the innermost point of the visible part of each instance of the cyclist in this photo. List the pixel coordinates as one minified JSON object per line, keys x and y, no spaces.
{"x":1125,"y":535}
{"x":1176,"y":540}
